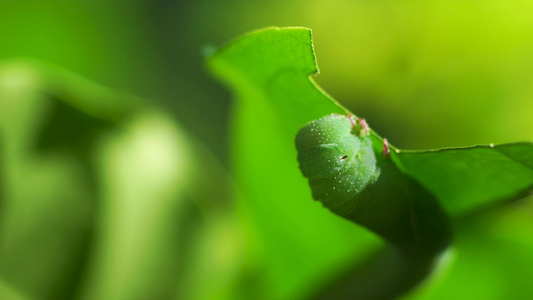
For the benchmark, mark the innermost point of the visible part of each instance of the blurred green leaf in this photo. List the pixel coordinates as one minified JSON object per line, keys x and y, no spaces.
{"x":48,"y":190}
{"x":95,"y":195}
{"x":491,"y":258}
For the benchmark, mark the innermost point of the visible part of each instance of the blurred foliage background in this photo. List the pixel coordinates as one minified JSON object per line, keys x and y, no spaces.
{"x":125,"y":192}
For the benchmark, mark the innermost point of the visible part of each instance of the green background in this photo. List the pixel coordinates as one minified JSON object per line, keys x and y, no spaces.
{"x":425,"y":75}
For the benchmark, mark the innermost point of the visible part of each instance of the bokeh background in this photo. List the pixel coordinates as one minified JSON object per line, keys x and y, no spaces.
{"x":115,"y":142}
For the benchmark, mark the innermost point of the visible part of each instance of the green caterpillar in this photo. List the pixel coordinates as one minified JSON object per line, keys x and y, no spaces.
{"x":335,"y":153}
{"x":346,"y":175}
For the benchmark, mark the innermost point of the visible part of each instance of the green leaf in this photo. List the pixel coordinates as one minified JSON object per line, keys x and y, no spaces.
{"x":269,"y":72}
{"x":466,"y":179}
